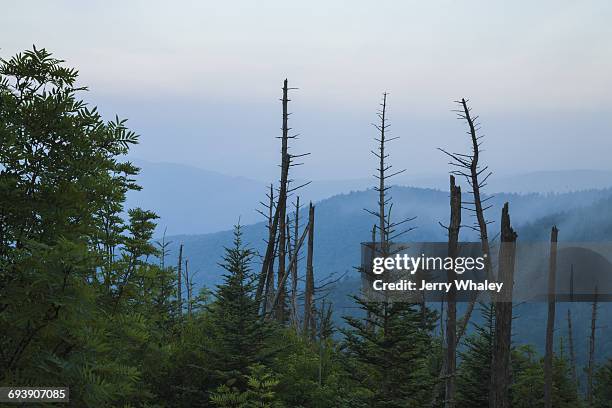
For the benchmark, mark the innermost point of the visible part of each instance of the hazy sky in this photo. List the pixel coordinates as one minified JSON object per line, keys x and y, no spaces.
{"x":200,"y":80}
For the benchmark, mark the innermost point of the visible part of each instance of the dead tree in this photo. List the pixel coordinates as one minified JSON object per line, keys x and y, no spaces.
{"x":570,"y":333}
{"x":550,"y":323}
{"x":309,"y":317}
{"x":500,"y":365}
{"x":279,"y":211}
{"x":591,"y":363}
{"x":282,"y":203}
{"x":294,"y":269}
{"x":163,"y":250}
{"x":282,"y":253}
{"x":451,"y":314}
{"x":277,"y":234}
{"x":189,"y":287}
{"x":387,"y":229}
{"x":266,"y":280}
{"x":283,"y":279}
{"x":179,"y":285}
{"x":468,"y":166}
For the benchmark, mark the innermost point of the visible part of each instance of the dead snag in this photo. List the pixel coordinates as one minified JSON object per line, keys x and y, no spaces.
{"x":283,"y":279}
{"x":179,"y":286}
{"x":591,"y":363}
{"x":570,"y":332}
{"x":277,"y":234}
{"x":282,"y":204}
{"x":189,"y":287}
{"x":294,"y":269}
{"x":387,"y":229}
{"x":451,"y":314}
{"x":265,"y":286}
{"x":469,"y":166}
{"x":500,"y":366}
{"x":309,"y":317}
{"x":550,"y":323}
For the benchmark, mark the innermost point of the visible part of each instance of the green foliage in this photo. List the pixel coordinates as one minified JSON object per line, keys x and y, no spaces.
{"x":602,"y":388}
{"x":474,"y":370}
{"x":387,"y":355}
{"x":239,"y":335}
{"x":259,"y":393}
{"x":527,"y":389}
{"x":311,"y":373}
{"x":61,"y":188}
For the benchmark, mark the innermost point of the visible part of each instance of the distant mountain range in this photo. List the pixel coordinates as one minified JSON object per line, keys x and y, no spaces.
{"x":194,"y":201}
{"x":191,"y":200}
{"x":342,"y":224}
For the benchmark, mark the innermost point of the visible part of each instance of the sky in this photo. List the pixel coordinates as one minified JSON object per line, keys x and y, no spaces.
{"x":200,"y":81}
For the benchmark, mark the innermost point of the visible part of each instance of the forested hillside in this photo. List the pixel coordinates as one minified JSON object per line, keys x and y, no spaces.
{"x":91,"y":298}
{"x":344,"y":225}
{"x":180,"y":193}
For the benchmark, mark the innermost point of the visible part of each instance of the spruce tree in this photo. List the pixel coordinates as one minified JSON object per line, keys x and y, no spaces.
{"x":474,"y":372}
{"x":388,"y":354}
{"x":239,"y":333}
{"x":527,"y":390}
{"x":602,"y":389}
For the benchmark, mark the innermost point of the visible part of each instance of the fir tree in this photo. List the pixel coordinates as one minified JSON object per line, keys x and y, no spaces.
{"x":527,"y":390}
{"x":602,"y":390}
{"x":474,"y":372}
{"x":387,"y":354}
{"x":239,"y":333}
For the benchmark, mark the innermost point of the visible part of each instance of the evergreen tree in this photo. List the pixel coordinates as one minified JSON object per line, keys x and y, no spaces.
{"x":387,"y":355}
{"x":474,"y":371}
{"x":602,"y":389}
{"x":528,"y":386}
{"x":239,"y":333}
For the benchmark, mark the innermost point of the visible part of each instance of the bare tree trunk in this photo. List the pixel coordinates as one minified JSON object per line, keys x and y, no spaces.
{"x":179,"y":292}
{"x":294,"y":269}
{"x":381,"y":175}
{"x":385,"y":226}
{"x":278,"y":222}
{"x":309,"y":319}
{"x":550,"y":323}
{"x":500,"y":367}
{"x":476,"y":184}
{"x":571,"y":333}
{"x":451,"y":315}
{"x":282,"y":205}
{"x":282,"y":246}
{"x":265,"y":286}
{"x":469,"y":167}
{"x":283,"y":279}
{"x":571,"y":349}
{"x":189,"y":287}
{"x":591,"y":364}
{"x":442,"y":321}
{"x":369,"y":313}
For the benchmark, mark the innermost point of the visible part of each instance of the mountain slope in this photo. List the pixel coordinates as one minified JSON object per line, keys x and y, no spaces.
{"x":342,"y":224}
{"x":190,"y":200}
